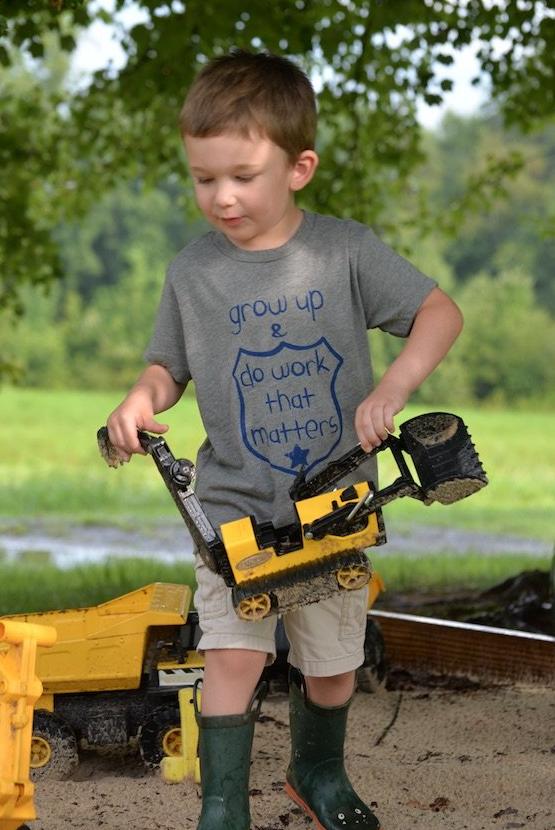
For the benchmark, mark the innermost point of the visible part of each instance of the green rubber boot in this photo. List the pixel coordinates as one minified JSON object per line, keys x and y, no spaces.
{"x":316,"y":777}
{"x":225,"y":743}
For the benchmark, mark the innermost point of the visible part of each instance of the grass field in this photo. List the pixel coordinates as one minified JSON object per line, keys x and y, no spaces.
{"x":84,"y":585}
{"x":50,"y":466}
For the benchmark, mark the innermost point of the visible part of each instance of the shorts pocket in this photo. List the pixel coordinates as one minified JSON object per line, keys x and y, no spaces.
{"x":354,"y":606}
{"x":212,"y":594}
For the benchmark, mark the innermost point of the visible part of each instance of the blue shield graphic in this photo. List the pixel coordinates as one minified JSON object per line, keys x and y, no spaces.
{"x":290,"y":415}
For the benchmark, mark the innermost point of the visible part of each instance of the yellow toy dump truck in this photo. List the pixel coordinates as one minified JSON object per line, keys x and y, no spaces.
{"x":275,"y":569}
{"x":112,"y":681}
{"x":19,"y":689}
{"x":112,"y":678}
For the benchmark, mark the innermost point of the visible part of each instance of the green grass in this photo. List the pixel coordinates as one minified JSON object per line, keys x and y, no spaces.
{"x":22,"y":590}
{"x":50,"y":466}
{"x":473,"y":571}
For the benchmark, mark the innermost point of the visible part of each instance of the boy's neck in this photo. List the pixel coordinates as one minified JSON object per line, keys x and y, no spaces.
{"x":276,"y":236}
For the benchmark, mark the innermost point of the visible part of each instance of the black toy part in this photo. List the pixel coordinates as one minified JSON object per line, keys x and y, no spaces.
{"x":441,"y":449}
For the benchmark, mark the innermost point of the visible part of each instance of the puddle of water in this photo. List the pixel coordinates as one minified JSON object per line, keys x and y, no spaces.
{"x":66,"y":545}
{"x":428,"y":539}
{"x":78,"y":545}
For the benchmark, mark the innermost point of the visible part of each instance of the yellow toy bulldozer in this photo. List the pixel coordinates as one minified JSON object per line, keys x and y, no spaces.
{"x":275,"y":569}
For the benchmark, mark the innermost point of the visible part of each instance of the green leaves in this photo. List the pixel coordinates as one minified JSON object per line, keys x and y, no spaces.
{"x":61,"y":148}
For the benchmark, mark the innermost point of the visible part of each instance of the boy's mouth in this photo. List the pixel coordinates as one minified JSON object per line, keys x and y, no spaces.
{"x":231,"y":221}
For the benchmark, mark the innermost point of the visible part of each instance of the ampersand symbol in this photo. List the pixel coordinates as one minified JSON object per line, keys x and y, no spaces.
{"x":276,"y":330}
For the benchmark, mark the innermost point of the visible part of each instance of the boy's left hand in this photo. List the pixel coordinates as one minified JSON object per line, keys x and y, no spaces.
{"x":435,"y":327}
{"x":374,"y":416}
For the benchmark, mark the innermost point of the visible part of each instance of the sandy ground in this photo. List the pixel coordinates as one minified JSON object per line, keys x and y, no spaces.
{"x":423,"y":757}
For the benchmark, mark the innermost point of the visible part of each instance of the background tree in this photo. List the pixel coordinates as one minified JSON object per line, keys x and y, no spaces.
{"x":90,"y":329}
{"x":61,"y":149}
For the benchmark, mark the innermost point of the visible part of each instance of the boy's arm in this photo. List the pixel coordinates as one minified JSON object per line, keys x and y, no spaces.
{"x":436,"y":326}
{"x":155,"y":391}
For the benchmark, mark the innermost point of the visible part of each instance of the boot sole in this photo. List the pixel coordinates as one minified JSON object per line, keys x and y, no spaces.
{"x":298,"y":800}
{"x":294,"y":796}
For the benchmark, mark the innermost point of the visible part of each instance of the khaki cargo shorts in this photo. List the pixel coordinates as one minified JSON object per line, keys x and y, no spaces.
{"x":326,"y":638}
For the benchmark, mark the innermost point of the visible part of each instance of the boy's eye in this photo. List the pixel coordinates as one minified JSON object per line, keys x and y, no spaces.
{"x":203,"y":180}
{"x":244,"y":178}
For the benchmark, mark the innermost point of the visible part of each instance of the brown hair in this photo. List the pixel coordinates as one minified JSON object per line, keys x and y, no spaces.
{"x":245,"y":90}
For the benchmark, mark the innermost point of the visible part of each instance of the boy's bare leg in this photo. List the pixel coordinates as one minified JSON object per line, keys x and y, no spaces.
{"x":230,"y":677}
{"x":331,"y":691}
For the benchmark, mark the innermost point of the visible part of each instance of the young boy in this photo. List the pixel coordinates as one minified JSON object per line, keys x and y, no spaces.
{"x":268,"y":315}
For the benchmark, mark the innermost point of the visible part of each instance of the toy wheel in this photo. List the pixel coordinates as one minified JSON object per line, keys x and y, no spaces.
{"x":254,"y":608}
{"x":41,"y":752}
{"x":352,"y":577}
{"x":54,"y":753}
{"x":160,"y":735}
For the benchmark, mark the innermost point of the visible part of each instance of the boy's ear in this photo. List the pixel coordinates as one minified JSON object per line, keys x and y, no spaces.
{"x":303,"y":169}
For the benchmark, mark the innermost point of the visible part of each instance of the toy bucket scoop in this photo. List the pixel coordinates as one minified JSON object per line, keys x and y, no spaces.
{"x":444,"y":456}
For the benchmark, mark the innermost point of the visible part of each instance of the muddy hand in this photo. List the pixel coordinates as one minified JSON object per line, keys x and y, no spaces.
{"x":107,"y":450}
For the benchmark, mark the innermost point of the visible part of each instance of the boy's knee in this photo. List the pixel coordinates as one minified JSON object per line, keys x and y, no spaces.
{"x":334,"y":690}
{"x":230,"y":678}
{"x":236,"y":661}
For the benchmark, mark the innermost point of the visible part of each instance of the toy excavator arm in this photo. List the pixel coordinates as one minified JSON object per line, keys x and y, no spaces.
{"x":443,"y":455}
{"x":350,"y":461}
{"x":178,"y":475}
{"x":345,"y":519}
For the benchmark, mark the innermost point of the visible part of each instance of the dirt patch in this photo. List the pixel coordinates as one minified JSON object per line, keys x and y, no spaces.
{"x":524,"y":602}
{"x":424,"y":756}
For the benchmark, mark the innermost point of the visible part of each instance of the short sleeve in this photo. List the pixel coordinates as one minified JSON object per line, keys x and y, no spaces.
{"x":167,"y":344}
{"x":390,"y":287}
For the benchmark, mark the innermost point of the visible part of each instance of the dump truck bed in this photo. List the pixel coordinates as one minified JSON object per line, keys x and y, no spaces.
{"x":103,"y":647}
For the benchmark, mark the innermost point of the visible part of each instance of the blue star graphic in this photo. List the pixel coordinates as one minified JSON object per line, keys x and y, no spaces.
{"x":298,"y":456}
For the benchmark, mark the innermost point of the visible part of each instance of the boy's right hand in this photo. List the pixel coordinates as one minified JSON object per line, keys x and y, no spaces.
{"x":133,"y":414}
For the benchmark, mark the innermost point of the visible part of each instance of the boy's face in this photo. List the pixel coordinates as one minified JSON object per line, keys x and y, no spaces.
{"x":245,"y":186}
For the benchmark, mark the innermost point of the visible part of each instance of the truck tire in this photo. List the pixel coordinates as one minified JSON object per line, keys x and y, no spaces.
{"x":371,"y":675}
{"x":160,"y":735}
{"x":54,"y":753}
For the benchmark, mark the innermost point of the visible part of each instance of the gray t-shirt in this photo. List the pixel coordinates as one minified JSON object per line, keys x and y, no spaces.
{"x":276,"y":344}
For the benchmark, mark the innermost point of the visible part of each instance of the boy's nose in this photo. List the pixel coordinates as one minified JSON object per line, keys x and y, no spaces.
{"x":224,"y":196}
